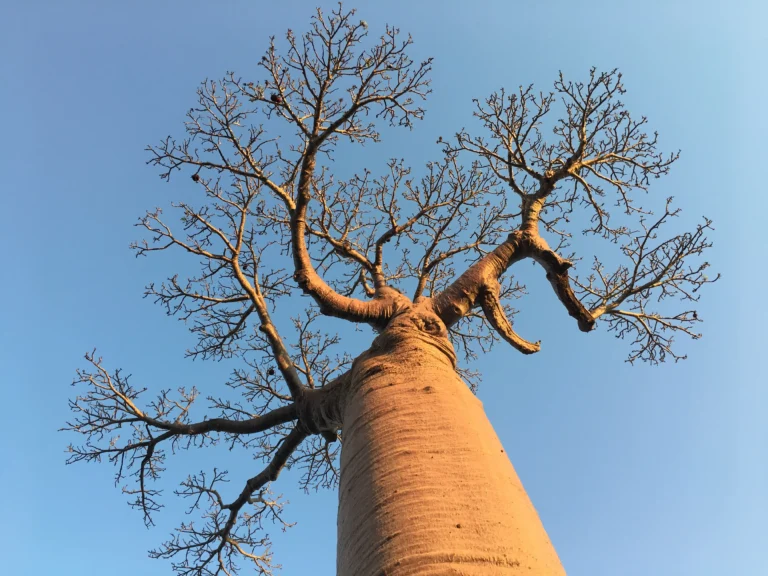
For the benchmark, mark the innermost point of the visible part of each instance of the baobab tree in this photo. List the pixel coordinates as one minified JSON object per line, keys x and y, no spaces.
{"x":424,"y":484}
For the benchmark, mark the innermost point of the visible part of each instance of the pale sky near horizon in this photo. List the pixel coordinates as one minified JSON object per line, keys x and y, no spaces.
{"x":635,"y":470}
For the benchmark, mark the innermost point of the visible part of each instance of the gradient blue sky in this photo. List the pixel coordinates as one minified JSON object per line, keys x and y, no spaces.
{"x":634,"y":470}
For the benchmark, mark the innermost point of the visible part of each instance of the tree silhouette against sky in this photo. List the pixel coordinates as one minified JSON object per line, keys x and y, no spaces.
{"x":423,"y":259}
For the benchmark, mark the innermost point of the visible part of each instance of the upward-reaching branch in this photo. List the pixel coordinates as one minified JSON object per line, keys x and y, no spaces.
{"x":303,"y":89}
{"x":387,"y":79}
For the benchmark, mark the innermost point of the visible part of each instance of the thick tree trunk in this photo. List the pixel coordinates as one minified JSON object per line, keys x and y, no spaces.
{"x":426,"y":487}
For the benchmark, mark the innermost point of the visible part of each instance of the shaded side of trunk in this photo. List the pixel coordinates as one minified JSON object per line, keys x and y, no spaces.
{"x":426,"y":487}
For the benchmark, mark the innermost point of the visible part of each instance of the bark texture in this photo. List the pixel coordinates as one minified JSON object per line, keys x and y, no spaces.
{"x":426,"y":486}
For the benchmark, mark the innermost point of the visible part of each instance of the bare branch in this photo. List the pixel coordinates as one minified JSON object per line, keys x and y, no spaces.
{"x":659,"y":271}
{"x":557,"y":268}
{"x":491,"y":305}
{"x":110,"y":405}
{"x":228,"y":533}
{"x":385,"y":78}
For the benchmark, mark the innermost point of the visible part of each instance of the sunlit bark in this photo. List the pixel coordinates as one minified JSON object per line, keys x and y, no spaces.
{"x":426,"y":487}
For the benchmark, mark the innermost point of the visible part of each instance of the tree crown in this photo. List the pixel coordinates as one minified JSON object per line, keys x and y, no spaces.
{"x":368,"y":248}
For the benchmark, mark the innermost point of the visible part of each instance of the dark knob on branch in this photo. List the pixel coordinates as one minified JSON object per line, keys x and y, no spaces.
{"x":329,"y":435}
{"x":195,"y":177}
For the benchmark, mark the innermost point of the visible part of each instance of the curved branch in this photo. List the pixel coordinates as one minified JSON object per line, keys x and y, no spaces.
{"x":494,"y":313}
{"x":331,"y":303}
{"x":387,"y":80}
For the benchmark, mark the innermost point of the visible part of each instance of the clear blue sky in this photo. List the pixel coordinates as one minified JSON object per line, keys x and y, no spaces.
{"x":634,"y":470}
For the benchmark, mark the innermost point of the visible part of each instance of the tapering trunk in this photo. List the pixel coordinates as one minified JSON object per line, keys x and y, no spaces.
{"x":426,"y":487}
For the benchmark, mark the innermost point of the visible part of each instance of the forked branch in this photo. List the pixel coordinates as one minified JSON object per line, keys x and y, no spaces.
{"x":110,"y":405}
{"x":229,"y":534}
{"x":631,"y":299}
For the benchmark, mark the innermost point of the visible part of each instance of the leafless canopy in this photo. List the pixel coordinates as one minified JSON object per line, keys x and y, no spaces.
{"x":259,"y":153}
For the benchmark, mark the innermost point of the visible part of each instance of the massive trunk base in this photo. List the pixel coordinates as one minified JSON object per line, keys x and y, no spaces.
{"x":426,"y":487}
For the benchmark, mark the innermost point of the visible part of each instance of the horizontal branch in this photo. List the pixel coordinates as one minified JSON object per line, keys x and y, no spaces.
{"x":249,"y":426}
